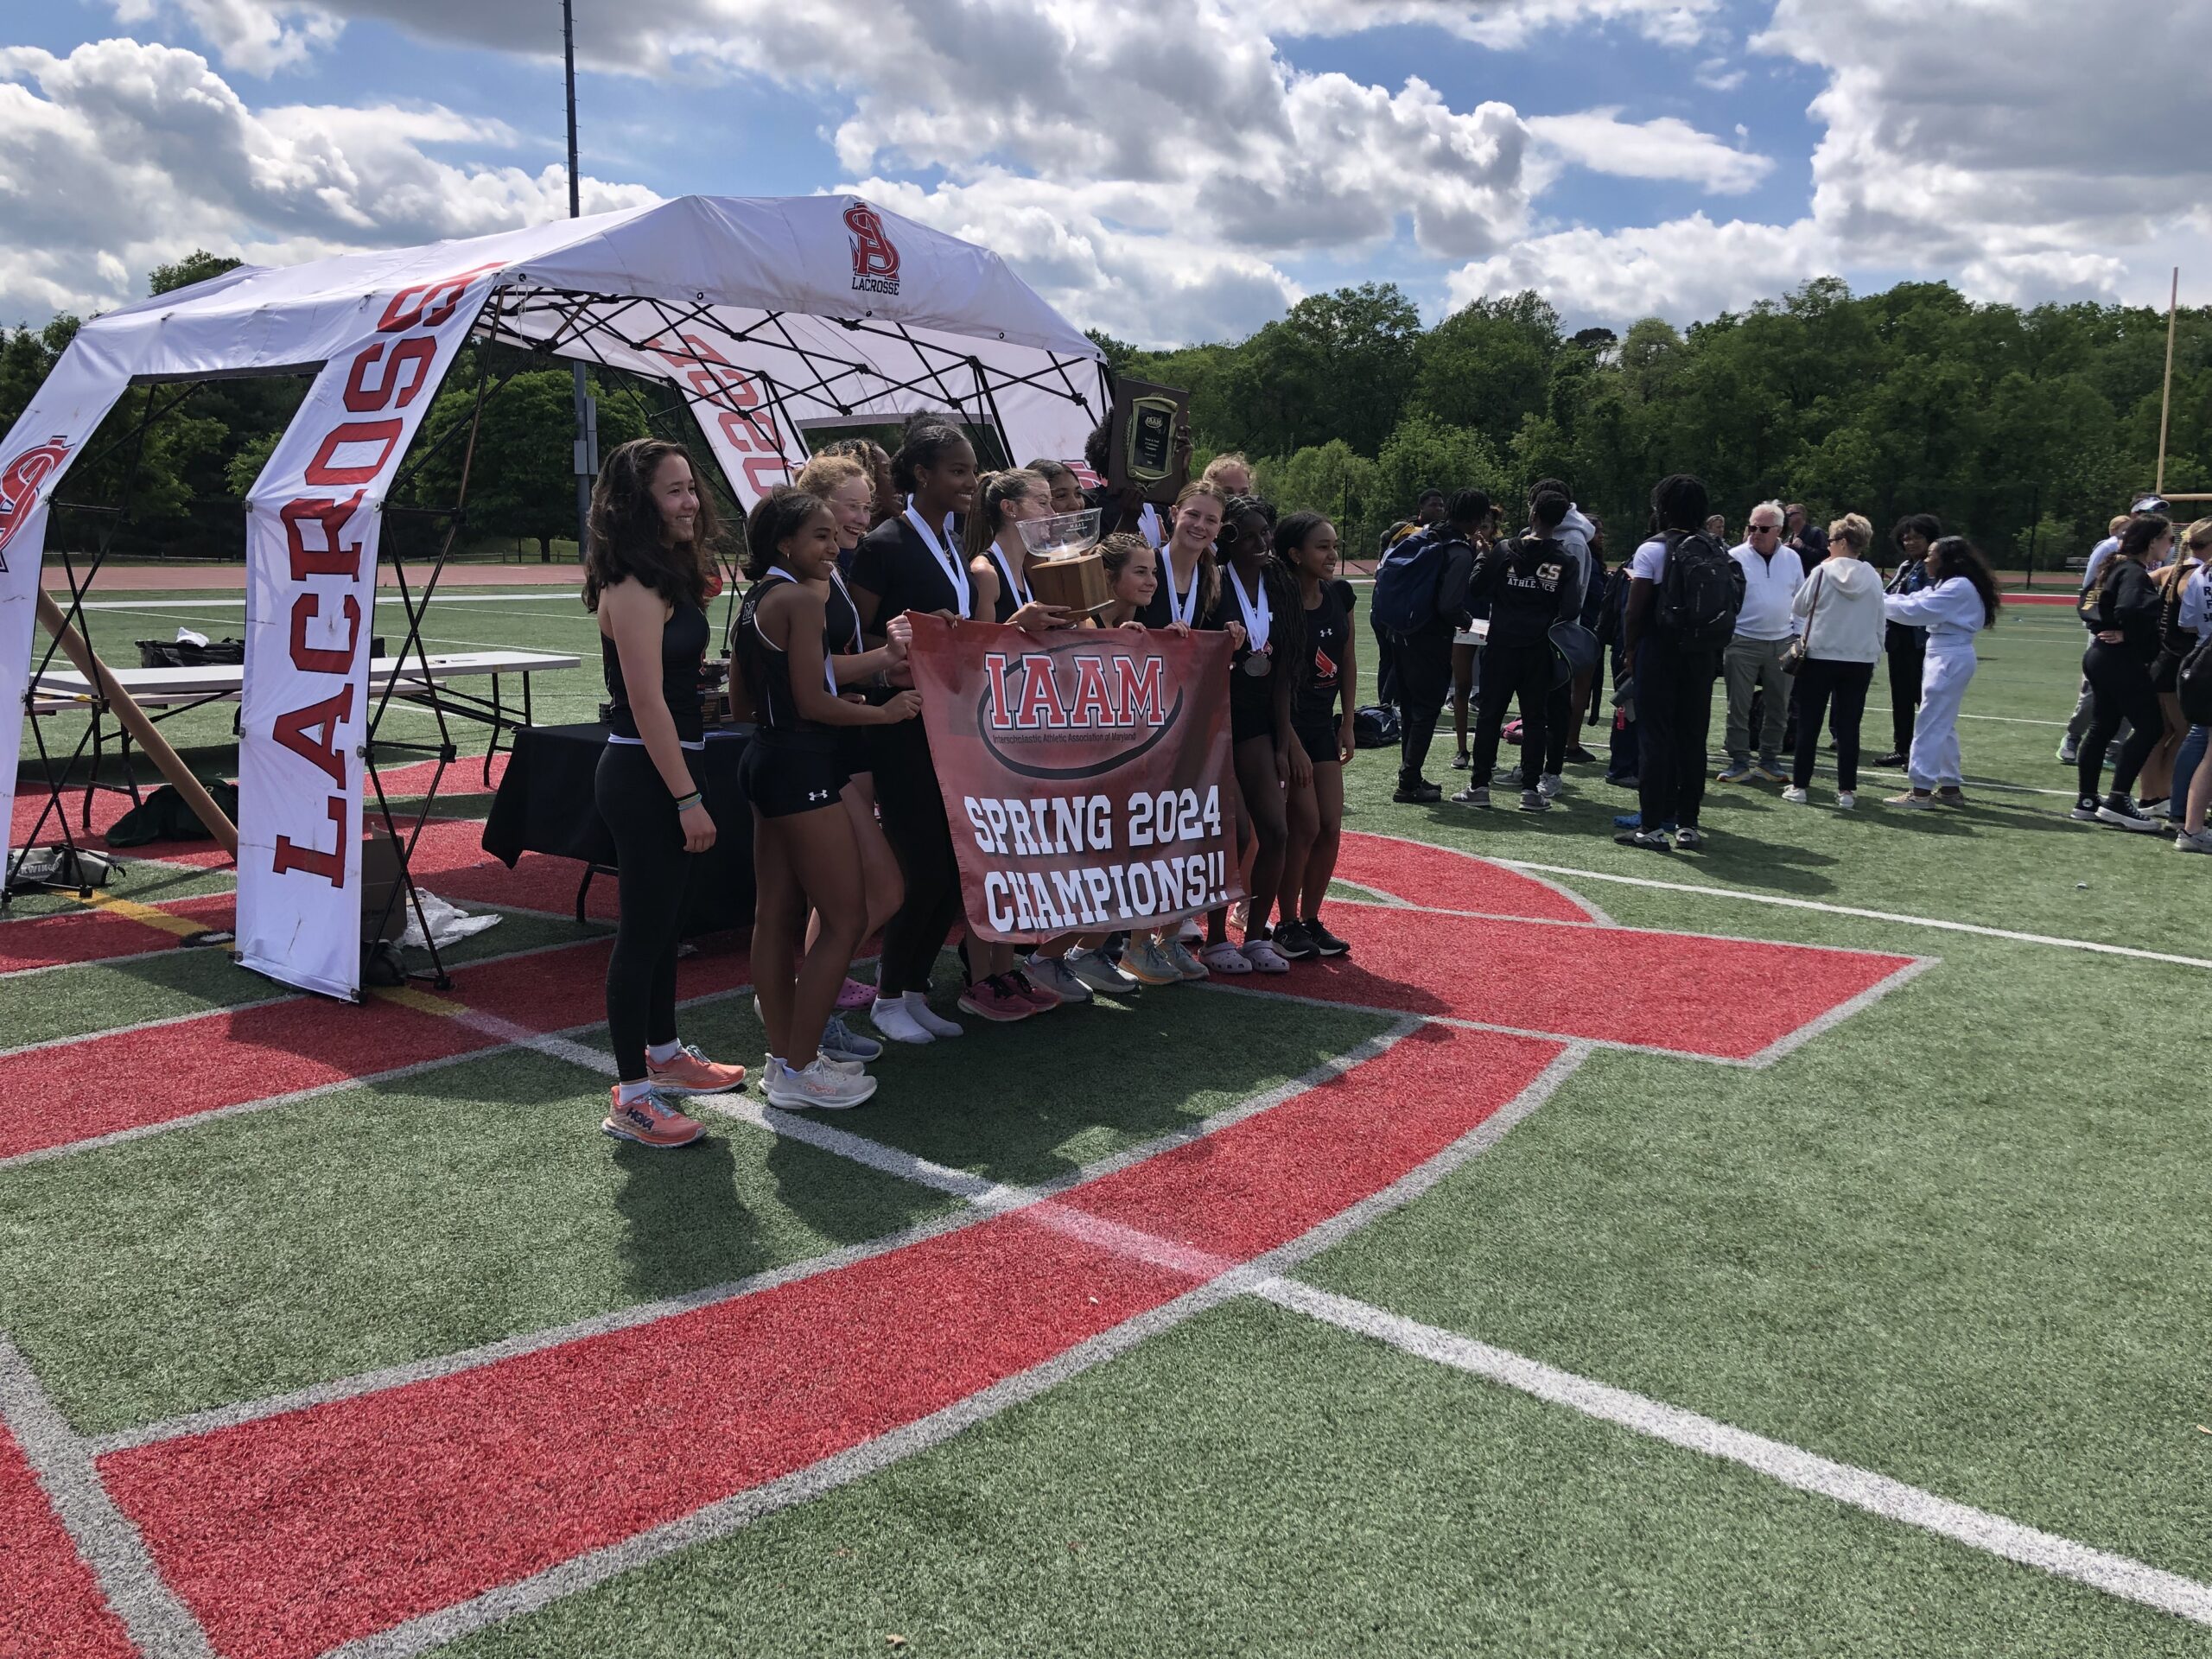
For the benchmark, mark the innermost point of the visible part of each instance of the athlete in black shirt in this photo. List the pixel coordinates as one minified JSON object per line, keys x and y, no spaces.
{"x":1307,"y":547}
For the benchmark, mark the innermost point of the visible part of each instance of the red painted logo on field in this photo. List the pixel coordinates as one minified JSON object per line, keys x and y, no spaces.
{"x":875,"y":260}
{"x":19,"y":484}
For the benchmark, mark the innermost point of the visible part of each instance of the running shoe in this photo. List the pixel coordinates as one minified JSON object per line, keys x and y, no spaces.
{"x":841,"y":1043}
{"x":1223,"y":957}
{"x":1581,"y":756}
{"x":1145,"y":962}
{"x":650,"y":1120}
{"x":1534,"y":800}
{"x":2085,"y":810}
{"x":2124,"y":814}
{"x":1185,"y":960}
{"x":1324,"y":941}
{"x":1040,"y":997}
{"x":1291,"y":940}
{"x":2156,"y":808}
{"x":1652,"y":841}
{"x":687,"y":1071}
{"x":1797,"y":796}
{"x":1914,"y":800}
{"x":1950,"y":795}
{"x":1547,"y":786}
{"x":2194,"y":841}
{"x":1092,"y":969}
{"x":1422,"y":793}
{"x":1894,"y":758}
{"x":994,"y":999}
{"x":1264,"y":957}
{"x":1846,"y":800}
{"x":1690,"y":837}
{"x":1051,"y":974}
{"x":854,"y":994}
{"x":1736,"y":771}
{"x":2070,"y":754}
{"x":1769,"y":772}
{"x":1473,"y":795}
{"x":1461,"y":761}
{"x":820,"y":1084}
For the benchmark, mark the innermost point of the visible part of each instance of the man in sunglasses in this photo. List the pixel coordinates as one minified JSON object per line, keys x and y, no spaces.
{"x":1752,"y":663}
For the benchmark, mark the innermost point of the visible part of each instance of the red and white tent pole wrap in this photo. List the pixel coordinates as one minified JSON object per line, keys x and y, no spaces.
{"x":772,"y":316}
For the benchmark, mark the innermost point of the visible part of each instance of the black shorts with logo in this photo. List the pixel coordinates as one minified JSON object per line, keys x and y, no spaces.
{"x":785,"y":773}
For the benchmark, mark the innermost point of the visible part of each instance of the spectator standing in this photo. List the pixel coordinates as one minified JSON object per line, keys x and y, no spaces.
{"x":1907,"y":647}
{"x":2192,"y":774}
{"x":1753,"y":662}
{"x":1841,"y":605}
{"x":2077,"y":726}
{"x":2121,"y":613}
{"x":1684,"y":593}
{"x":1421,"y":594}
{"x":1532,"y":584}
{"x":2163,"y":787}
{"x":1807,"y":539}
{"x":1958,"y":602}
{"x":1428,"y":515}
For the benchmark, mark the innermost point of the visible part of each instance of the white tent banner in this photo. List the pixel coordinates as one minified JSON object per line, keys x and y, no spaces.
{"x":312,"y":521}
{"x":773,"y":317}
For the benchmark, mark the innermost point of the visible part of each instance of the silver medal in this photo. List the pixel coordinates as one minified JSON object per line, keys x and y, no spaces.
{"x":1259,"y":666}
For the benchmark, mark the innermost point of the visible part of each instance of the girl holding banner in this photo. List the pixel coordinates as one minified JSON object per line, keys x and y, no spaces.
{"x":804,"y":848}
{"x":913,"y":563}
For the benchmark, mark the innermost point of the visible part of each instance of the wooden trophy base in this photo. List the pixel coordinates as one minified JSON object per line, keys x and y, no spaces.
{"x":1077,"y":585}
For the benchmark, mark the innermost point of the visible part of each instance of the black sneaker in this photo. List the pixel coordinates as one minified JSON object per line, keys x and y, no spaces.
{"x":1462,"y":760}
{"x":2117,"y":809}
{"x":1894,"y":758}
{"x":2085,"y":810}
{"x":1290,"y":940}
{"x":1581,"y":756}
{"x":1422,"y":793}
{"x":1324,"y":941}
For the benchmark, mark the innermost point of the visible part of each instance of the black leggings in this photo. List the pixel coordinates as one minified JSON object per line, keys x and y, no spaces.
{"x":2121,"y":682}
{"x":1817,"y":680}
{"x":1510,"y":670}
{"x":1907,"y":649}
{"x":1674,"y":712}
{"x":915,"y":824}
{"x":652,"y":869}
{"x":1423,"y":664}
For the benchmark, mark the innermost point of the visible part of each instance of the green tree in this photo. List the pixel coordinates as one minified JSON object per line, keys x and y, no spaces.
{"x":1488,"y":366}
{"x":195,"y":267}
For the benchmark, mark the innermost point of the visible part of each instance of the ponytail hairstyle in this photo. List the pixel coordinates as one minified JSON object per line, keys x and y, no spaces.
{"x":1115,"y":552}
{"x":1209,"y":568}
{"x":825,"y":472}
{"x":2135,"y":540}
{"x":1292,"y":533}
{"x":1855,"y":532}
{"x":775,"y":519}
{"x":623,"y":541}
{"x":995,"y":494}
{"x":926,"y":445}
{"x":1954,"y":556}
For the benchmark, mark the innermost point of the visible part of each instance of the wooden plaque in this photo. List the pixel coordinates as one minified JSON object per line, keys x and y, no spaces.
{"x":1077,"y":585}
{"x":1142,"y":453}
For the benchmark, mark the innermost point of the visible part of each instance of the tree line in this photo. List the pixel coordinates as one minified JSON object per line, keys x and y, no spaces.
{"x":2024,"y":429}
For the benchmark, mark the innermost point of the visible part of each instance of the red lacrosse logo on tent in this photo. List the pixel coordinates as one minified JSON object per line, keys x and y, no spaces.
{"x":875,"y":261}
{"x":19,"y":487}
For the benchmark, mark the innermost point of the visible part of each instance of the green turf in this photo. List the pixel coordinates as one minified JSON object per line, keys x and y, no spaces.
{"x":1256,"y":1485}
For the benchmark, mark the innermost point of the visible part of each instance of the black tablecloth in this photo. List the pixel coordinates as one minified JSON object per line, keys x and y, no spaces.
{"x":545,"y":806}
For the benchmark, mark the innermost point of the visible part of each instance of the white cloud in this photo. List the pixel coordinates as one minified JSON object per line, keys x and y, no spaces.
{"x":1684,"y":270}
{"x":248,"y":34}
{"x":122,"y":156}
{"x":1501,"y":24}
{"x":1664,"y":149}
{"x":1715,"y":75}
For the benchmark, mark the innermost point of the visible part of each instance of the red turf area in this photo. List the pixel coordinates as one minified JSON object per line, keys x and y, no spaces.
{"x":50,"y":1605}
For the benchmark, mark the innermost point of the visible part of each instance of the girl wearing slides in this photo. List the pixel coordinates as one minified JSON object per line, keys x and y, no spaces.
{"x":804,"y":848}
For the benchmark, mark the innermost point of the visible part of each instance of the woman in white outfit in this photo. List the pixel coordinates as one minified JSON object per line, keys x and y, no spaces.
{"x":1841,"y":605}
{"x":1960,"y":600}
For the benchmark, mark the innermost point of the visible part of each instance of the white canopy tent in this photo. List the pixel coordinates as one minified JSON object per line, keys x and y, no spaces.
{"x":770,"y":316}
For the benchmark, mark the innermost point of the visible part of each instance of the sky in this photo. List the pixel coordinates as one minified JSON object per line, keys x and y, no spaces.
{"x":1166,"y":170}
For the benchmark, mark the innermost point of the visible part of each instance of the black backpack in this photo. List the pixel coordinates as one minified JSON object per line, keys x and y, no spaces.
{"x":1404,"y":600}
{"x":1701,"y":593}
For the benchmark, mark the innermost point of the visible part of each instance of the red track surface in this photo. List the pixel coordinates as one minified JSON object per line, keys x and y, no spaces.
{"x":50,"y":1605}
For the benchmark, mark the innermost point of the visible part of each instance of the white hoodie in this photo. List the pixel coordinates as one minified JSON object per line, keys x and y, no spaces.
{"x":1844,"y":599}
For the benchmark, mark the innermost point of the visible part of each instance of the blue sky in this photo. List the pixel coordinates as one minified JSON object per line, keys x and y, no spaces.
{"x":1627,"y":157}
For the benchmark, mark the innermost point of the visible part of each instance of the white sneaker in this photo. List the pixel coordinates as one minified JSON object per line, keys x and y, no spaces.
{"x":1848,"y":801}
{"x":2193,"y":841}
{"x":1796,"y":796}
{"x":825,"y":1086}
{"x":1224,"y":958}
{"x":1095,"y":971}
{"x":890,"y":1016}
{"x":928,"y":1018}
{"x":1055,"y":977}
{"x":1547,"y":786}
{"x":853,"y":1068}
{"x":1190,"y":932}
{"x":1264,"y":957}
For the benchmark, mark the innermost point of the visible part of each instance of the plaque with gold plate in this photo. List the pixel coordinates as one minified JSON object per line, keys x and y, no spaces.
{"x":1064,"y":566}
{"x":1143,"y":455}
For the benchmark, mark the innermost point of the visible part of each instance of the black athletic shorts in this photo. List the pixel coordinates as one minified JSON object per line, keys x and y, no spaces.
{"x":788,"y":772}
{"x":1249,"y":722}
{"x":1319,"y":738}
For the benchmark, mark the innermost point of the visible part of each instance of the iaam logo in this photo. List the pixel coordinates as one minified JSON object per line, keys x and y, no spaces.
{"x":19,"y":484}
{"x":1022,"y":694}
{"x":875,"y":260}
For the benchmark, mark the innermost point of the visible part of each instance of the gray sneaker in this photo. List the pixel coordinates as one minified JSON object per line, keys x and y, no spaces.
{"x":1473,"y":795}
{"x":1186,"y":964}
{"x":1144,"y":960}
{"x":1055,"y":977}
{"x":839,"y":1044}
{"x":1100,"y":975}
{"x":1535,"y":801}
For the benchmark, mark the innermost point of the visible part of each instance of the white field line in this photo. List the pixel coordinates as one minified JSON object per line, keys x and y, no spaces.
{"x":738,"y":1106}
{"x":1975,"y":928}
{"x":720,"y":1519}
{"x":1806,"y":1471}
{"x":61,"y":1461}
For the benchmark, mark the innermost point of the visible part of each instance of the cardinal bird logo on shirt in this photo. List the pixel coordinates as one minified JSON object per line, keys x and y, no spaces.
{"x":1324,"y":667}
{"x":19,"y":484}
{"x":875,"y":260}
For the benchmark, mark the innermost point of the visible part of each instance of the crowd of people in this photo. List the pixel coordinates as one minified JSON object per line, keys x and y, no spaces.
{"x":1487,"y":607}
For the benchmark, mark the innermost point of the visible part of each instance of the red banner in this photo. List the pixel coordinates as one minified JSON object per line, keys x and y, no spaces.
{"x":1086,"y":774}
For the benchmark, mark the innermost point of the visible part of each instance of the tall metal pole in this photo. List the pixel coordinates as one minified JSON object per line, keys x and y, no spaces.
{"x":2166,"y":397}
{"x":583,"y":457}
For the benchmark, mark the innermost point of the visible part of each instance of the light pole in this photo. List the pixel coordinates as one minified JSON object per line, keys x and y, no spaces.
{"x":586,"y":461}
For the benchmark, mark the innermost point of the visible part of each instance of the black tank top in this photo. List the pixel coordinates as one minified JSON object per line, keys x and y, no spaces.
{"x":767,"y":666}
{"x":683,"y":648}
{"x":841,"y":627}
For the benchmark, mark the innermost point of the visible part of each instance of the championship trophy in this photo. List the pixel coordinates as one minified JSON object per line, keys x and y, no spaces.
{"x":1066,"y":568}
{"x":1142,"y":451}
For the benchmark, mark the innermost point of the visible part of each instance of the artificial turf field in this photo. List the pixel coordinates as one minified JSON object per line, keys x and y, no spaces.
{"x":1585,"y":1268}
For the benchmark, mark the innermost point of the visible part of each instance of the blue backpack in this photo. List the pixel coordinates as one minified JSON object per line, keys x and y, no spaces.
{"x":1406,"y":582}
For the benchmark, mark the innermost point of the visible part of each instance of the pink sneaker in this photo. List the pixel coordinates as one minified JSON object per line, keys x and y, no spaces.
{"x":1038,"y":996}
{"x":854,"y":994}
{"x":690,"y":1072}
{"x":994,"y":999}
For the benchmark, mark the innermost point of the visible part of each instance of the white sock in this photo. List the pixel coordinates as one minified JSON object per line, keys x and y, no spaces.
{"x":662,"y":1053}
{"x":918,"y":1010}
{"x":891,"y":1017}
{"x":634,"y":1091}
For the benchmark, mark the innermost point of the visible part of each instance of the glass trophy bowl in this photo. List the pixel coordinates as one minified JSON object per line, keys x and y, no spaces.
{"x":1063,"y":569}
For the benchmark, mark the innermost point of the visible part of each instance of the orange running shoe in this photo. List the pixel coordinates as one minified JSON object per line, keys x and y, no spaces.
{"x":648,"y":1120}
{"x":690,"y":1072}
